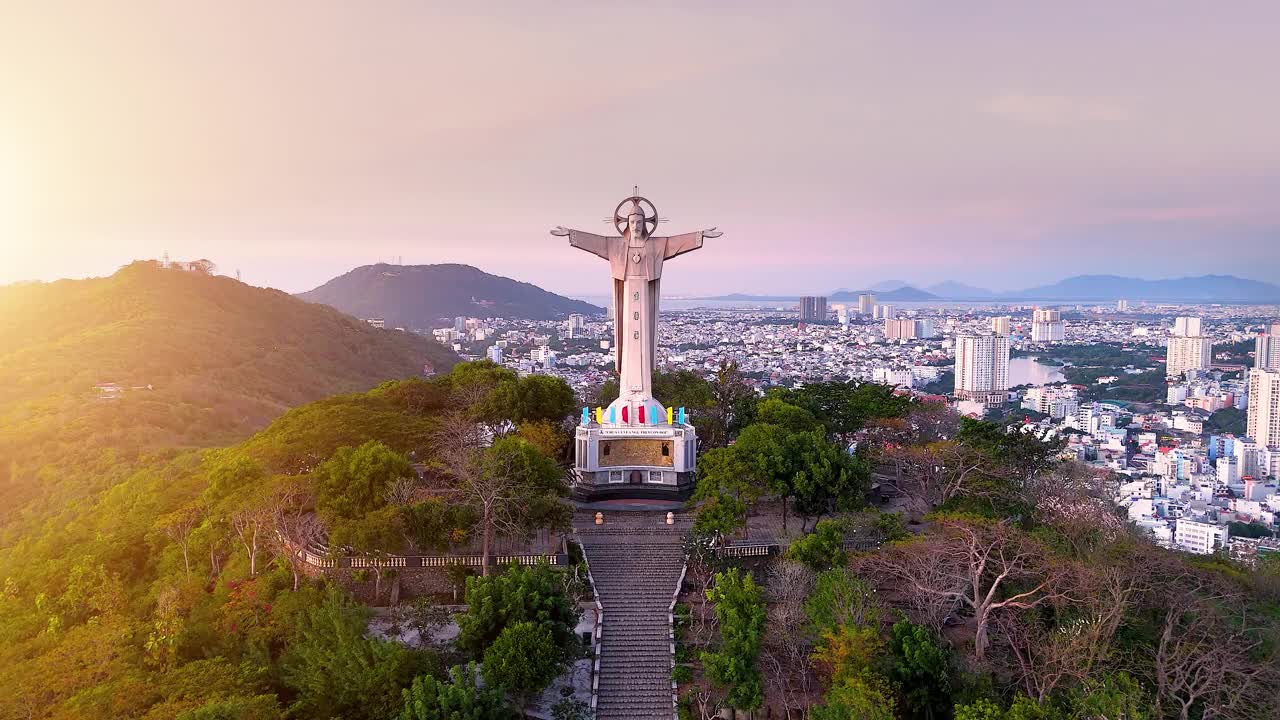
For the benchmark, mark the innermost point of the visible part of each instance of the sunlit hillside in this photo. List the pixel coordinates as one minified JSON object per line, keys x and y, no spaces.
{"x":94,"y":372}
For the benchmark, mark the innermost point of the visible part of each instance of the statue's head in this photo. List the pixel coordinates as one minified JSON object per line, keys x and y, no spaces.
{"x":635,"y":223}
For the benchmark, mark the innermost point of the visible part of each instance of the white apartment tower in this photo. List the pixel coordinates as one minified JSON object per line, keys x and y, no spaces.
{"x":1264,"y":407}
{"x":1000,"y":325}
{"x":1047,"y":326}
{"x":982,"y":368}
{"x":1188,"y":349}
{"x":1266,"y":349}
{"x":866,"y":304}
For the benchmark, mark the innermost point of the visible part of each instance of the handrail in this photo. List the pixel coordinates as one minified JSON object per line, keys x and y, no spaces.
{"x":429,"y":561}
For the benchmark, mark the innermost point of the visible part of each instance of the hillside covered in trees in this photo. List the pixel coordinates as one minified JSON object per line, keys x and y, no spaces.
{"x":1003,"y":585}
{"x":95,"y":372}
{"x":178,"y":593}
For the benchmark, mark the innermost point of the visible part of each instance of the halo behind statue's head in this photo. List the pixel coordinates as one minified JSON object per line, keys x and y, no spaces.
{"x":638,"y":206}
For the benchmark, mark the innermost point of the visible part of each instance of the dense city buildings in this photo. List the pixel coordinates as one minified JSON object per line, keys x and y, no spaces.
{"x":982,"y":368}
{"x":1047,"y":326}
{"x":1187,"y":348}
{"x":813,"y":309}
{"x":1264,"y":407}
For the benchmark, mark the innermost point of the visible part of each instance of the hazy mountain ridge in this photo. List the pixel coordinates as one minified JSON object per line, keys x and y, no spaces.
{"x":1222,"y":288}
{"x":424,"y":296}
{"x":958,"y":290}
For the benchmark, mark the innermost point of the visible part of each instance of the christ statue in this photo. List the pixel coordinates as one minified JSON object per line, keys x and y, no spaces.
{"x":635,"y":260}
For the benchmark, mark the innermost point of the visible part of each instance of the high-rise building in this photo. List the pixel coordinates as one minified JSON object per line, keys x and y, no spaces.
{"x":813,"y":309}
{"x":1188,"y":349}
{"x":1188,"y":353}
{"x":899,"y":329}
{"x":1266,"y":348}
{"x":982,"y":368}
{"x":885,"y":312}
{"x":495,"y":354}
{"x":1047,"y":326}
{"x":1000,"y":325}
{"x":842,"y":313}
{"x":1264,"y":408}
{"x":1122,"y":305}
{"x":1186,"y":326}
{"x":866,"y":304}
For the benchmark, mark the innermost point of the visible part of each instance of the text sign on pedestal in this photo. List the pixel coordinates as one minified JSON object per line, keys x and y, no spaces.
{"x":636,"y":432}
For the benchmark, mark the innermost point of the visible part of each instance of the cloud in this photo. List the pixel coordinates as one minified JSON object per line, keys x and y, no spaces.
{"x":1054,"y":110}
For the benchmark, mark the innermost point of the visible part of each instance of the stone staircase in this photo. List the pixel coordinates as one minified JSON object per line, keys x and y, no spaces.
{"x":637,"y":562}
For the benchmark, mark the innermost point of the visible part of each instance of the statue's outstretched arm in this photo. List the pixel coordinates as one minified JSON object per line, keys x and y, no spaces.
{"x":594,"y":244}
{"x":688,"y":242}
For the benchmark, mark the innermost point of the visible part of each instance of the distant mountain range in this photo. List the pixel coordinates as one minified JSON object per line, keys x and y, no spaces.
{"x":901,"y":294}
{"x":423,"y":296}
{"x":952,"y":289}
{"x":1203,"y":288}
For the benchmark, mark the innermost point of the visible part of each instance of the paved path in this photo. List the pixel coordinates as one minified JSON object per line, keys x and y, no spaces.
{"x":636,"y":560}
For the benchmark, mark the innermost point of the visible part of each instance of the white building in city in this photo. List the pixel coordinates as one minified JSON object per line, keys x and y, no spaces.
{"x":1187,"y":349}
{"x":1266,"y":349}
{"x":982,"y":368}
{"x":1200,"y":538}
{"x":1000,"y":325}
{"x":1047,"y":326}
{"x":1264,"y":408}
{"x":892,"y":376}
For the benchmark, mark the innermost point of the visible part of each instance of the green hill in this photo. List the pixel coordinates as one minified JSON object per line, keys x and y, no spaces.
{"x":200,"y":361}
{"x":426,"y":296}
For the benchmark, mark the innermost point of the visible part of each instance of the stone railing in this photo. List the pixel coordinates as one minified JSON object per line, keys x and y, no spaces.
{"x":326,"y":562}
{"x":765,"y":549}
{"x":671,"y":627}
{"x":596,"y":633}
{"x":752,"y":550}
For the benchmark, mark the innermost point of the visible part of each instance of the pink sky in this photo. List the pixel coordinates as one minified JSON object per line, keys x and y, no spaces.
{"x":1000,"y":144}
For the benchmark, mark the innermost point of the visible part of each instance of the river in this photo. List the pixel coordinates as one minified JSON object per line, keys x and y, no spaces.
{"x":1026,"y":371}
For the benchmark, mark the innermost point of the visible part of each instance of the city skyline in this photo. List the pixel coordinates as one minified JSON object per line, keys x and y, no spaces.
{"x":835,"y":146}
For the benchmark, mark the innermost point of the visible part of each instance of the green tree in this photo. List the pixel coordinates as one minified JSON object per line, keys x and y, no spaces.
{"x":458,"y":699}
{"x":821,"y":549}
{"x":236,"y":707}
{"x":535,"y":398}
{"x":523,"y":660}
{"x":845,"y":407}
{"x":922,"y":671}
{"x":354,"y":481}
{"x":840,"y":597}
{"x":520,"y":594}
{"x":862,"y":697}
{"x":375,"y":536}
{"x":1114,"y":696}
{"x":338,"y":672}
{"x":514,"y":489}
{"x":740,"y":610}
{"x":725,"y":492}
